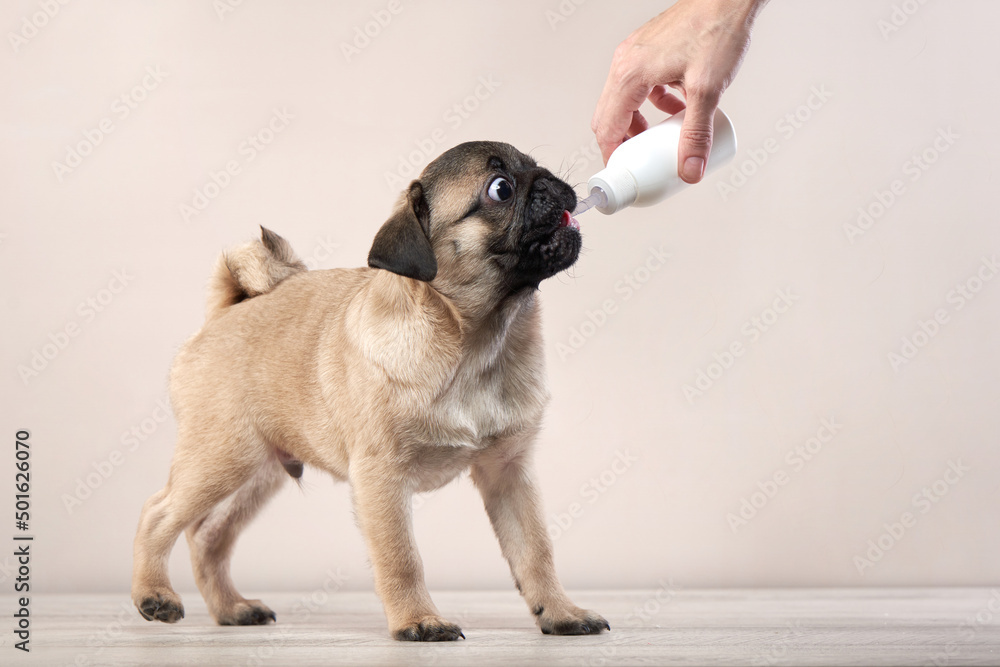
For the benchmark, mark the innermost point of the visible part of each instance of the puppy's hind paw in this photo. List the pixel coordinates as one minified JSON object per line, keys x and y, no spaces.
{"x":429,"y":629}
{"x":576,"y":622}
{"x":247,"y":612}
{"x":164,"y":607}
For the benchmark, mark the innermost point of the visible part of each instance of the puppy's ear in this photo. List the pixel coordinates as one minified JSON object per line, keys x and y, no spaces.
{"x":403,"y":244}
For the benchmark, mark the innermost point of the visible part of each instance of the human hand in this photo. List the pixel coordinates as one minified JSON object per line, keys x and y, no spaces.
{"x":696,"y":47}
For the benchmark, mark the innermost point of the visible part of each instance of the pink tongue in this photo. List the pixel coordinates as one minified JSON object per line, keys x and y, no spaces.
{"x":569,"y":221}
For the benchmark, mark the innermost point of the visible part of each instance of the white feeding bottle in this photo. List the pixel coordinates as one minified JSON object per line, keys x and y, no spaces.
{"x":643,"y":170}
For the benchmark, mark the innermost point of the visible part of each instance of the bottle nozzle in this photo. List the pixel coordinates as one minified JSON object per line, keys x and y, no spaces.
{"x":617,"y":187}
{"x":597,"y":198}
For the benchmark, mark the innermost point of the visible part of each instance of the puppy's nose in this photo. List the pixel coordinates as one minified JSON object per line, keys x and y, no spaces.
{"x":543,"y":185}
{"x":549,"y":194}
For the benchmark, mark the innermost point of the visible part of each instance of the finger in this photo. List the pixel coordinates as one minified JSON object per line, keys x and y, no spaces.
{"x":696,"y":138}
{"x":664,"y":100}
{"x":612,"y":120}
{"x":639,"y":124}
{"x":621,"y":98}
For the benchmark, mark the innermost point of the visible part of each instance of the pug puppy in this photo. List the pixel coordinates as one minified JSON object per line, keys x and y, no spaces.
{"x":395,"y":378}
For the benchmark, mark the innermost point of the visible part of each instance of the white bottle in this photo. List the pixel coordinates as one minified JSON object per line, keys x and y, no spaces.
{"x":643,"y":170}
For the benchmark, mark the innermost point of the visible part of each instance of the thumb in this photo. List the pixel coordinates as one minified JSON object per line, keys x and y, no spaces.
{"x":696,"y":139}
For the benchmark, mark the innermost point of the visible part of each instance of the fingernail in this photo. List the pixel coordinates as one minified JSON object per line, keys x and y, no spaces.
{"x":694,"y":167}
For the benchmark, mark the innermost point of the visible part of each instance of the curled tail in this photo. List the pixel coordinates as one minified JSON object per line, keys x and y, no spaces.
{"x":251,"y":270}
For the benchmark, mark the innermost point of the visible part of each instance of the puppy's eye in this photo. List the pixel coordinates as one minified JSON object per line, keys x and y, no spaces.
{"x":501,"y":189}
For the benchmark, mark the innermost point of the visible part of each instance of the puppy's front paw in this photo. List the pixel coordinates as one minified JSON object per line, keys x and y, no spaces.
{"x":429,"y":629}
{"x":247,"y":612}
{"x":164,"y":606}
{"x":573,"y":621}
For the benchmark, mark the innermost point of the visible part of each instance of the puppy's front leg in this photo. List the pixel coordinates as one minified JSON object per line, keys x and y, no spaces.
{"x":382,"y":502}
{"x":506,"y":481}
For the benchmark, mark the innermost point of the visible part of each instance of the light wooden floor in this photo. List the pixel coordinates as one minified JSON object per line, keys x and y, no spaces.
{"x":666,"y":627}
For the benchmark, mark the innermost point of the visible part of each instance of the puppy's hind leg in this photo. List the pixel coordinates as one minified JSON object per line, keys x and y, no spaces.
{"x":201,"y":475}
{"x":211,"y":540}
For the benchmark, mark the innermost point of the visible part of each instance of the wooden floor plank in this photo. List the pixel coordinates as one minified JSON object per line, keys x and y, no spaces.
{"x":669,"y":626}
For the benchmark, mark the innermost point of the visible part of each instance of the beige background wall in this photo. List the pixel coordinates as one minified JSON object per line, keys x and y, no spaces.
{"x":102,"y":273}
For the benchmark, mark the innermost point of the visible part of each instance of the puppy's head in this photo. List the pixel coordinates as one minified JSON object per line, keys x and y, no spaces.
{"x":483,"y":220}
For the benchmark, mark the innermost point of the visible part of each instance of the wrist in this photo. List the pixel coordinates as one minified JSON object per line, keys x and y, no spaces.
{"x":745,"y":10}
